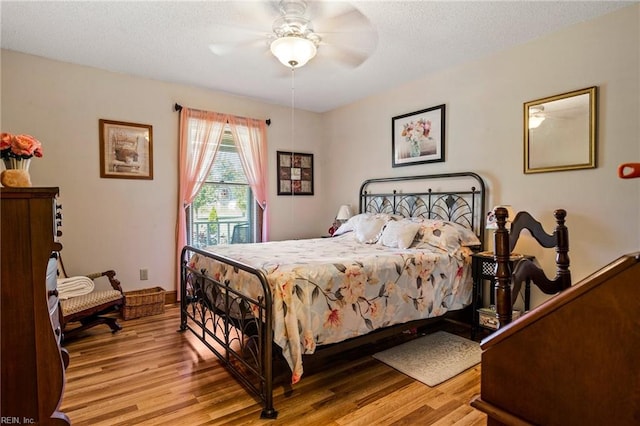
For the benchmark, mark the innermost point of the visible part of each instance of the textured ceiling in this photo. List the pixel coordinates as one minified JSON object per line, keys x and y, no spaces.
{"x":170,"y":41}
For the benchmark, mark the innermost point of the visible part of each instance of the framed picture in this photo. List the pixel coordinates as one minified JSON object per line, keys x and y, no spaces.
{"x":126,"y":150}
{"x":295,"y":173}
{"x":418,"y":137}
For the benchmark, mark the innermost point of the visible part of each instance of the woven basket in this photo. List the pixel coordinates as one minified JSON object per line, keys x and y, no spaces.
{"x":142,"y":303}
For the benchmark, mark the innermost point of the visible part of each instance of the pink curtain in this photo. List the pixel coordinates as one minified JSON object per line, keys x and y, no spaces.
{"x":250,"y":136}
{"x":200,"y":136}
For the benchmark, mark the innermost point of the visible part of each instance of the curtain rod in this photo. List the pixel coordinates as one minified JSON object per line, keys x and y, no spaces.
{"x":178,"y":108}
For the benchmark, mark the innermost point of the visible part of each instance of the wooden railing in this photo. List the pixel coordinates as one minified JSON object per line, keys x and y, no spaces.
{"x":573,"y":360}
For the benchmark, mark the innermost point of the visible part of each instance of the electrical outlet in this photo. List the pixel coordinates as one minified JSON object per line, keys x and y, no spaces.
{"x":144,"y":274}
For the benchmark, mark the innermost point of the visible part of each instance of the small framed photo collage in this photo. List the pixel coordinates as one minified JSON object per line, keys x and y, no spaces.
{"x":295,"y":173}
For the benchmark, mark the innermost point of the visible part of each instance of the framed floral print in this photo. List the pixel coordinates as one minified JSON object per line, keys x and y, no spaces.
{"x":295,"y":173}
{"x":418,"y":137}
{"x":126,"y":150}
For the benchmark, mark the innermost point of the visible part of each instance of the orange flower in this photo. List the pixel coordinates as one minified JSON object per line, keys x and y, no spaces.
{"x":5,"y":142}
{"x":19,"y":146}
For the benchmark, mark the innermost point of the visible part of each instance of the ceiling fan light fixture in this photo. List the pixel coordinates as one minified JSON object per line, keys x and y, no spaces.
{"x":536,"y":116}
{"x":535,"y":121}
{"x":293,"y":51}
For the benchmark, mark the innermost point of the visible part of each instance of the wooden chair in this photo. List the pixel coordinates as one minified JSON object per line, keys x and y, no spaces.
{"x":525,"y":270}
{"x":89,"y":309}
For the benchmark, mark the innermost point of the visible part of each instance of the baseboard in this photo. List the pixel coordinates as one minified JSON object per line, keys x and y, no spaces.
{"x":170,"y":297}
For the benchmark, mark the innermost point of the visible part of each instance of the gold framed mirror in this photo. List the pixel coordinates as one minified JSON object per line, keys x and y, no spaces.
{"x":560,"y":132}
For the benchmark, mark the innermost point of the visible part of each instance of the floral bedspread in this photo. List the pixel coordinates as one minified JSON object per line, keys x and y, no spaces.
{"x":327,"y":290}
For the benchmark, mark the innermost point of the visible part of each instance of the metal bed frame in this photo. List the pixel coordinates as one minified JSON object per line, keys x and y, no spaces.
{"x":239,"y":329}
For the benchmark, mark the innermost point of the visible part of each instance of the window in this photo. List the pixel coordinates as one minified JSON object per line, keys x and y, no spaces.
{"x":223,"y":210}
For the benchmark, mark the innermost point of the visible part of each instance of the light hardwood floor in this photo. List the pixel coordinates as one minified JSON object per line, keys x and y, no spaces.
{"x":149,"y":374}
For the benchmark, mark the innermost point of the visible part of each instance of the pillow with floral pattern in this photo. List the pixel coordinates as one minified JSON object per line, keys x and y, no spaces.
{"x":446,"y":235}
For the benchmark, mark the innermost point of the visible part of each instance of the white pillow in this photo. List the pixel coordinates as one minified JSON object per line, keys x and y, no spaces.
{"x":368,"y":228}
{"x":399,"y":234}
{"x":349,"y":225}
{"x":343,"y":229}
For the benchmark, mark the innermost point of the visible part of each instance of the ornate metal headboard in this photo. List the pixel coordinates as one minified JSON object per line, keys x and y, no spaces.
{"x":456,"y":197}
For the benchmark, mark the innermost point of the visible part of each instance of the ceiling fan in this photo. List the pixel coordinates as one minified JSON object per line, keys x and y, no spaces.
{"x":300,"y":29}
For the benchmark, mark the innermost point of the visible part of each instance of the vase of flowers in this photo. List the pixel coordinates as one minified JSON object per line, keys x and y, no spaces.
{"x":16,"y":152}
{"x":415,"y":133}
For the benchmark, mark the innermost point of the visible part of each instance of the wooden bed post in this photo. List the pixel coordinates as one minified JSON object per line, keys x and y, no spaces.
{"x":503,"y":273}
{"x":562,"y":250}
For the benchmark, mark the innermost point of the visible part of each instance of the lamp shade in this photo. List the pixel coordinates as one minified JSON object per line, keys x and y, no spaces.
{"x":492,"y":222}
{"x":293,"y":51}
{"x":344,"y":212}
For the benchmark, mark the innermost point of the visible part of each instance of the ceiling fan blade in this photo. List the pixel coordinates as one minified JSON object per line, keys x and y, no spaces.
{"x":343,"y":55}
{"x":229,"y":38}
{"x":346,"y":33}
{"x":242,"y":24}
{"x":349,"y":47}
{"x":338,"y":16}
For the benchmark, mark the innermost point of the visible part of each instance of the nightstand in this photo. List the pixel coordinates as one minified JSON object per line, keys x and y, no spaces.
{"x":483,"y":267}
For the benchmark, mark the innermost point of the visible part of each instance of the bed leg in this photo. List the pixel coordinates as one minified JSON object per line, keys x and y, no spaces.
{"x":269,"y":413}
{"x":183,"y":317}
{"x":183,"y":291}
{"x":267,"y":372}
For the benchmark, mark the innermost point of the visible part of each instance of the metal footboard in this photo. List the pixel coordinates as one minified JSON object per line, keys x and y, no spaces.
{"x":235,"y":327}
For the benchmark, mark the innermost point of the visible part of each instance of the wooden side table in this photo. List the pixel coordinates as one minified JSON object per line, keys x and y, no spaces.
{"x":483,"y":265}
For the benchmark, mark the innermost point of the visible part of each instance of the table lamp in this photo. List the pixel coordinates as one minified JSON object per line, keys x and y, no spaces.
{"x":344,"y":213}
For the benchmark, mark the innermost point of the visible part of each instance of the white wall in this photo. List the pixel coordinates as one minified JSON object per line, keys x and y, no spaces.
{"x":484,"y":105}
{"x":126,"y":224}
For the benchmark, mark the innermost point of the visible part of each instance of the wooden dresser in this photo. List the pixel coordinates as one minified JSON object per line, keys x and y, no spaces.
{"x":31,"y":357}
